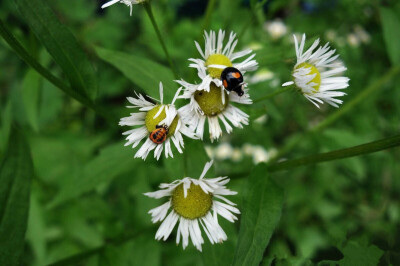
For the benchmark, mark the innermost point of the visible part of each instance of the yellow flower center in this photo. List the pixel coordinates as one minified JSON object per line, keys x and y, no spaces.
{"x":151,"y":122}
{"x":196,"y":204}
{"x":217,"y":59}
{"x":314,"y":70}
{"x":211,"y":102}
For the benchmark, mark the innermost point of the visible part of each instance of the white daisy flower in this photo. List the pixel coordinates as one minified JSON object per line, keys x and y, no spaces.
{"x":209,"y":99}
{"x":196,"y":204}
{"x":212,"y":105}
{"x":315,"y":74}
{"x":216,"y":57}
{"x":129,"y":3}
{"x":159,"y":124}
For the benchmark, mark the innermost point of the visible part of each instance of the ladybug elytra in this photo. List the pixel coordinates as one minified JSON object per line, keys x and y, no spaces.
{"x":232,"y":80}
{"x":159,"y":135}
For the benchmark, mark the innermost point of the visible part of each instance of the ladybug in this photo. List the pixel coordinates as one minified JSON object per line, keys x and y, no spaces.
{"x":232,"y":80}
{"x":159,"y":135}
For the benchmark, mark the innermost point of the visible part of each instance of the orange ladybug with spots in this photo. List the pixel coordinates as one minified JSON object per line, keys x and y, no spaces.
{"x":232,"y":80}
{"x":159,"y":135}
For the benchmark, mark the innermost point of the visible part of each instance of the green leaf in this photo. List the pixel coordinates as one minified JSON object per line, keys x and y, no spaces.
{"x":30,"y":96}
{"x":36,"y":233}
{"x":144,"y":250}
{"x":261,"y":213}
{"x":357,"y":254}
{"x":61,"y":44}
{"x":111,"y":162}
{"x":15,"y":179}
{"x":143,"y":72}
{"x":6,"y":119}
{"x":221,"y":253}
{"x":391,"y":33}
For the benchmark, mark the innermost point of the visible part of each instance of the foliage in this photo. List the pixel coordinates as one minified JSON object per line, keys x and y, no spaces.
{"x":63,"y":158}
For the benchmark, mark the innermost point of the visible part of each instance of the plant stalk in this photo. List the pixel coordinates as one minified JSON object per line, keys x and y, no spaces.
{"x":147,"y":6}
{"x":367,"y":148}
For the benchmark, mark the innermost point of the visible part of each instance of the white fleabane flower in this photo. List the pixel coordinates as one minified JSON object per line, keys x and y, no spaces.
{"x":216,"y":57}
{"x":194,"y":204}
{"x":315,"y":74}
{"x":209,"y":100}
{"x":159,"y":125}
{"x":212,"y":105}
{"x":129,"y":3}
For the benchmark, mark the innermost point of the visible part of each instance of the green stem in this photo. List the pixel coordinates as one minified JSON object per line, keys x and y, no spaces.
{"x":207,"y":17}
{"x":32,"y":62}
{"x":147,"y":6}
{"x":361,"y":97}
{"x":268,"y":96}
{"x":371,"y":147}
{"x":253,"y":17}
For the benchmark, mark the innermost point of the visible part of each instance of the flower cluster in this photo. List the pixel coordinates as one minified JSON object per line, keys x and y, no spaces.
{"x":195,"y":204}
{"x":209,"y":100}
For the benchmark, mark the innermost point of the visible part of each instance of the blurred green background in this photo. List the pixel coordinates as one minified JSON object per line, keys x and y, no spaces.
{"x":87,"y":190}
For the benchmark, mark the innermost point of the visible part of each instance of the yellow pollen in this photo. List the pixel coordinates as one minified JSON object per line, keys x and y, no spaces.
{"x":196,"y":204}
{"x":314,"y":70}
{"x":211,"y":102}
{"x":217,"y":59}
{"x":151,"y":122}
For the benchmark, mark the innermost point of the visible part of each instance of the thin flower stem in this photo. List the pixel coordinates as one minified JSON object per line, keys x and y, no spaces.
{"x":371,"y":147}
{"x":268,"y":96}
{"x":253,"y":17}
{"x":147,"y":6}
{"x":338,"y":114}
{"x":207,"y":17}
{"x":32,"y":62}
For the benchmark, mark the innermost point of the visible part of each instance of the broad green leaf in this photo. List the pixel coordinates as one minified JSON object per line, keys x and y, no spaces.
{"x":6,"y":118}
{"x":260,"y":215}
{"x":143,"y":250}
{"x":143,"y":72}
{"x":111,"y":162}
{"x":36,"y":229}
{"x":220,"y":254}
{"x":357,"y":254}
{"x":30,"y":96}
{"x":391,"y":32}
{"x":62,"y":46}
{"x":15,"y":179}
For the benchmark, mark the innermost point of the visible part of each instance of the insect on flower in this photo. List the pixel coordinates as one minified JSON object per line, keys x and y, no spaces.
{"x":232,"y":80}
{"x":159,"y":135}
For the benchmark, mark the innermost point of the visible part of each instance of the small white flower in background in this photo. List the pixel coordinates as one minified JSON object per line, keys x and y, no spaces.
{"x":353,"y":40}
{"x":315,"y":74}
{"x":362,"y":34}
{"x":275,"y":28}
{"x":237,"y":155}
{"x":216,"y":57}
{"x":194,"y":204}
{"x":261,"y":120}
{"x":159,"y":125}
{"x":261,"y":75}
{"x":260,"y":155}
{"x":129,"y":3}
{"x":223,"y":151}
